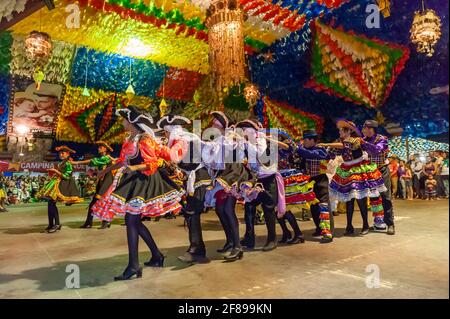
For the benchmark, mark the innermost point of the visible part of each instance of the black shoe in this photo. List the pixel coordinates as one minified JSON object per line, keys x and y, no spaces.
{"x":190,"y":258}
{"x":317,"y":233}
{"x":286,"y":237}
{"x":47,"y":229}
{"x":364,"y":231}
{"x":269,"y":246}
{"x":349,"y":232}
{"x":128,"y":274}
{"x":86,"y":226}
{"x":248,"y":243}
{"x":155,"y":262}
{"x":225,"y":248}
{"x":234,"y":254}
{"x":296,"y":240}
{"x":105,"y":225}
{"x":391,"y":230}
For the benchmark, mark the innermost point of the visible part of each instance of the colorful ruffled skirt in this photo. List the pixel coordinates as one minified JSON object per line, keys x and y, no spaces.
{"x":139,"y":194}
{"x":60,"y":190}
{"x":356,"y":179}
{"x":299,"y":188}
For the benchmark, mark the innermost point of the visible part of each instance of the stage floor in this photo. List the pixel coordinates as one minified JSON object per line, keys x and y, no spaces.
{"x":411,"y":264}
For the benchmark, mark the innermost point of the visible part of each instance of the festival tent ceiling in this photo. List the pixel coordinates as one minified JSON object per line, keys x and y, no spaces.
{"x":313,"y":60}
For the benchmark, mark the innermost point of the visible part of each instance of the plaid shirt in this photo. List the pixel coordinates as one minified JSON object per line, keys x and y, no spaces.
{"x":315,"y":160}
{"x":316,"y":167}
{"x":377,"y":149}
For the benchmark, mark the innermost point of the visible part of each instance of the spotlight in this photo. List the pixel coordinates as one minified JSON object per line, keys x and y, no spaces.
{"x":50,"y":4}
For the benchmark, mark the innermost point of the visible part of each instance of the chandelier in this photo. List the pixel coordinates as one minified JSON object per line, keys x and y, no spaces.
{"x":226,"y":44}
{"x":38,"y":46}
{"x":425,"y":30}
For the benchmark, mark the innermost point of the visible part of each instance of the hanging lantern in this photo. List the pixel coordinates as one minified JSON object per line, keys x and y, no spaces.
{"x":425,"y":30}
{"x":225,"y":21}
{"x":38,"y":46}
{"x":85,"y":92}
{"x":162,"y":107}
{"x":251,"y":94}
{"x":130,"y":92}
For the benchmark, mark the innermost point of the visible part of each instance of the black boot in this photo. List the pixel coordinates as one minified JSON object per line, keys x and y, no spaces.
{"x":296,"y":240}
{"x":269,"y":246}
{"x":105,"y":225}
{"x":285,"y":238}
{"x":234,"y":254}
{"x":86,"y":226}
{"x":225,"y":248}
{"x":190,"y":258}
{"x":155,"y":262}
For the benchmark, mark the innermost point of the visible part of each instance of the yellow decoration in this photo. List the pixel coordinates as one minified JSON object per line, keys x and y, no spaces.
{"x":162,"y":107}
{"x":168,"y":48}
{"x":425,"y":30}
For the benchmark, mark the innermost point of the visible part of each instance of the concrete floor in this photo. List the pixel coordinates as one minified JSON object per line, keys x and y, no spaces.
{"x":412,"y":264}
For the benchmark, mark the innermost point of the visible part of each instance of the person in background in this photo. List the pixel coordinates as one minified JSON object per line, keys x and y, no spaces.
{"x":430,"y":186}
{"x":408,"y":183}
{"x":34,"y":187}
{"x":429,"y":169}
{"x":401,"y":172}
{"x":3,"y":195}
{"x":416,"y":169}
{"x":440,"y":192}
{"x":444,"y":174}
{"x":393,"y":167}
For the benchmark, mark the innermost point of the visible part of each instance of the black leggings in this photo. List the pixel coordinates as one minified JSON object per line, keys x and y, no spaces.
{"x":362,"y":203}
{"x":227,"y":216}
{"x":136,"y":228}
{"x":89,"y":217}
{"x":293,"y":222}
{"x":53,"y":214}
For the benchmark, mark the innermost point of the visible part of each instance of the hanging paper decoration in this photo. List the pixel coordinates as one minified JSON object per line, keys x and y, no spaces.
{"x":80,"y":118}
{"x":179,"y":84}
{"x":164,"y":44}
{"x":56,"y":70}
{"x":355,"y":68}
{"x":6,"y":41}
{"x":10,"y":7}
{"x":425,"y":30}
{"x":294,"y":121}
{"x":111,"y":72}
{"x":416,"y":145}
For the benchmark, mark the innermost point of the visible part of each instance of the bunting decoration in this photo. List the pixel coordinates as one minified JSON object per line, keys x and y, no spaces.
{"x":291,"y":119}
{"x":353,"y":67}
{"x":416,"y":145}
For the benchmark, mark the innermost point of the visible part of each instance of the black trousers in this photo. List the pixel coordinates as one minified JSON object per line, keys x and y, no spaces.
{"x":90,"y":217}
{"x":362,"y":203}
{"x":387,"y":197}
{"x":416,"y":185}
{"x":225,"y":210}
{"x":53,"y":214}
{"x":136,"y":229}
{"x":192,"y":212}
{"x":268,"y":199}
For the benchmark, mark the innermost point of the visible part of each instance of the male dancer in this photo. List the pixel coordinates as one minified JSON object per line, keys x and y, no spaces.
{"x":376,"y":146}
{"x":185,"y":151}
{"x":101,"y":162}
{"x":315,"y":160}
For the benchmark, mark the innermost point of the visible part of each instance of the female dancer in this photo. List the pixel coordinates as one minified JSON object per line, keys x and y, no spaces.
{"x":227,"y":174}
{"x":356,"y":178}
{"x":60,"y":188}
{"x":103,"y":183}
{"x":185,"y":151}
{"x":139,"y":188}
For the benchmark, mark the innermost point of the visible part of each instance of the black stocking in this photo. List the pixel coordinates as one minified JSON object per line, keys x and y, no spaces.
{"x":293,"y":222}
{"x":147,"y":237}
{"x":132,"y":223}
{"x":220,"y":211}
{"x":232,"y":221}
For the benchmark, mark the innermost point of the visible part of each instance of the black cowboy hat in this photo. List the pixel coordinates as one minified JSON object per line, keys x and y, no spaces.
{"x":169,"y":120}
{"x":106,"y":145}
{"x":136,"y":116}
{"x":222,"y":118}
{"x":309,"y":134}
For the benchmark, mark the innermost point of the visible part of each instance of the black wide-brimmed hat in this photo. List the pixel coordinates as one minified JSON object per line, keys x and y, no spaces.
{"x":64,"y":148}
{"x":136,"y":116}
{"x":249,"y":124}
{"x":106,"y":145}
{"x":371,"y":124}
{"x":309,"y":134}
{"x":169,"y":120}
{"x":222,"y":118}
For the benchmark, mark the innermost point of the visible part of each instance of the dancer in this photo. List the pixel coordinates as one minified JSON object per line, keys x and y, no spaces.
{"x":376,"y":146}
{"x":356,"y":178}
{"x":220,"y":158}
{"x":101,"y":162}
{"x":139,"y":189}
{"x":185,"y":151}
{"x":299,"y":190}
{"x":314,"y":161}
{"x":60,"y":188}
